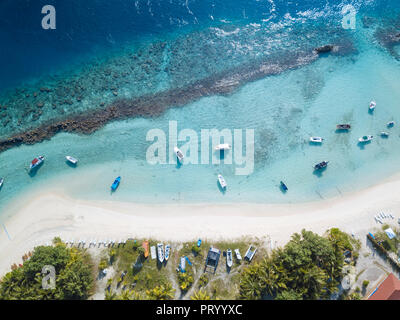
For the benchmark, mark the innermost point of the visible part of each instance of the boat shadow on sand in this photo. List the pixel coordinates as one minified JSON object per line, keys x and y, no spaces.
{"x":222,"y":190}
{"x":362,"y":145}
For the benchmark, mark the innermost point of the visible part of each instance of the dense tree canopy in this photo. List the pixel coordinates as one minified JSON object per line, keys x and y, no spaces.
{"x":308,"y":267}
{"x":73,"y":275}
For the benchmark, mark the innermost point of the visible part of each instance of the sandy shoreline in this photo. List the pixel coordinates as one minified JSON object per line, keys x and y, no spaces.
{"x":52,"y":214}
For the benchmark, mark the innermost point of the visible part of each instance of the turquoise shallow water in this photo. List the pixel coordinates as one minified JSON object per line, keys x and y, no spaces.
{"x":284,"y":110}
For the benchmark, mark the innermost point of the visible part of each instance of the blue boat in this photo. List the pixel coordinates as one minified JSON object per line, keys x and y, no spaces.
{"x":115,"y":185}
{"x":199,"y":242}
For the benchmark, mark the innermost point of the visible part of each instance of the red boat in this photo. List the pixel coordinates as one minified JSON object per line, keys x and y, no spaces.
{"x":36,"y":162}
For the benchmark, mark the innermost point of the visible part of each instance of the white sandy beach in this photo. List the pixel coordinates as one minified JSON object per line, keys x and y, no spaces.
{"x":52,"y":214}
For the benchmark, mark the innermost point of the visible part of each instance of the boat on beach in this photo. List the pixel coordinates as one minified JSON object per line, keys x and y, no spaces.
{"x":36,"y":163}
{"x":372,"y":106}
{"x":316,"y":139}
{"x":229,"y":259}
{"x":365,"y":138}
{"x":116,"y":183}
{"x":238,"y":255}
{"x":321,"y":165}
{"x":343,"y":127}
{"x":71,"y":160}
{"x":223,"y":147}
{"x":222,"y":181}
{"x":199,"y":242}
{"x":179,"y":154}
{"x":160,"y":252}
{"x":167,"y":251}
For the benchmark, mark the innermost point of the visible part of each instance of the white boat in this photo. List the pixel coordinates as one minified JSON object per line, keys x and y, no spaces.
{"x":366,"y":138}
{"x":167,"y":251}
{"x":229,"y":260}
{"x":222,"y":181}
{"x":160,"y":252}
{"x":372,"y":105}
{"x":384,"y":134}
{"x":36,"y":162}
{"x":238,"y":255}
{"x":71,"y":159}
{"x":223,"y":146}
{"x":316,"y":139}
{"x":179,"y":154}
{"x":1,"y":182}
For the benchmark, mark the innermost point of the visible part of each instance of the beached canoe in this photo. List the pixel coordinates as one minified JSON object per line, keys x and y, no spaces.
{"x":116,"y":183}
{"x":179,"y":154}
{"x":37,"y":162}
{"x":167,"y":251}
{"x":71,"y":160}
{"x":321,"y":165}
{"x":222,"y":181}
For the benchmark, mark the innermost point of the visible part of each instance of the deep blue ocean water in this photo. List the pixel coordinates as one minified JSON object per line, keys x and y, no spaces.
{"x":168,"y":44}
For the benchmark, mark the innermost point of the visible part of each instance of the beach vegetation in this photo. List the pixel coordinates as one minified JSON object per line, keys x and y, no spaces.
{"x":309,"y":264}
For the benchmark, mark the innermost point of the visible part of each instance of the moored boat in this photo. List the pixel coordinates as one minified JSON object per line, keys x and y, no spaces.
{"x":222,"y":181}
{"x":223,"y":147}
{"x":1,"y":182}
{"x":145,"y":246}
{"x":343,"y":126}
{"x":384,"y":134}
{"x":229,"y":260}
{"x":390,"y":124}
{"x":316,"y":139}
{"x":372,"y":105}
{"x":36,"y":162}
{"x":71,"y":160}
{"x":167,"y":251}
{"x":238,"y":255}
{"x":116,"y":183}
{"x":160,"y":252}
{"x":366,"y":138}
{"x":284,"y":187}
{"x":321,"y":165}
{"x":179,"y":154}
